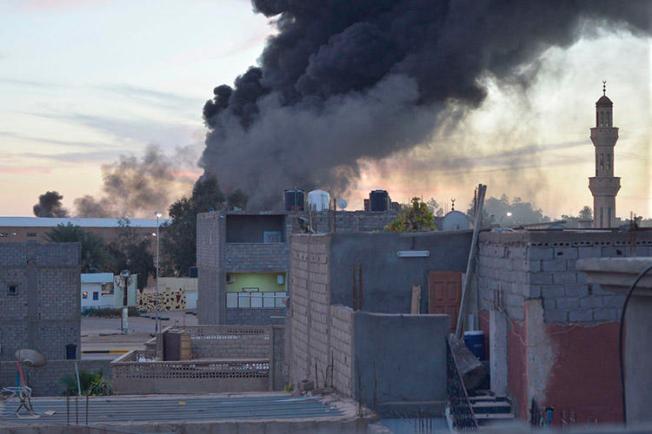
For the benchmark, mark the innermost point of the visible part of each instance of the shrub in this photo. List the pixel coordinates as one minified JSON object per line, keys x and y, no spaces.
{"x":92,"y":383}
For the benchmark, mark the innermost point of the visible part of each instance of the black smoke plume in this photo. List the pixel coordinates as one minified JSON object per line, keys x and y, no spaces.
{"x":49,"y":205}
{"x":347,"y":80}
{"x":134,"y":187}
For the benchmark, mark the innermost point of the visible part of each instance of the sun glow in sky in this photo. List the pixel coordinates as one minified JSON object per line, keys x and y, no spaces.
{"x":82,"y":82}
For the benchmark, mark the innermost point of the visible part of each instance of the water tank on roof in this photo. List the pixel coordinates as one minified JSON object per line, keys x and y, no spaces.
{"x":378,"y":200}
{"x":319,"y":200}
{"x":294,"y":200}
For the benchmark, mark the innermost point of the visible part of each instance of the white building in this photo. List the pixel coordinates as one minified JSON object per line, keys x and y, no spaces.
{"x":455,"y":221}
{"x":105,"y":291}
{"x":604,"y":185}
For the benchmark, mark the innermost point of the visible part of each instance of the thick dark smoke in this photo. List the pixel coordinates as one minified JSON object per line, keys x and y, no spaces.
{"x":135,"y":187}
{"x":49,"y":205}
{"x":347,"y":80}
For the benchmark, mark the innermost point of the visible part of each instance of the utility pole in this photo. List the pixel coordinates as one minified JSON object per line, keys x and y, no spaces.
{"x":157,"y":327}
{"x":124,"y":325}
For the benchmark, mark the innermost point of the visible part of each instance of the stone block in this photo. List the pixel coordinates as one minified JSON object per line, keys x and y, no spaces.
{"x":550,"y":291}
{"x":576,"y":290}
{"x":580,"y":315}
{"x":553,"y":265}
{"x":541,"y":278}
{"x":564,"y":277}
{"x":590,"y":252}
{"x":540,"y":252}
{"x":591,"y":301}
{"x":568,"y":303}
{"x":555,"y":315}
{"x":565,"y":252}
{"x":615,"y":301}
{"x":606,"y":314}
{"x":549,"y":303}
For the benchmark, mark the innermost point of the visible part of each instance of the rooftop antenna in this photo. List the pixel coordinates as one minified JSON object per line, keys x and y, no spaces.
{"x":604,"y":87}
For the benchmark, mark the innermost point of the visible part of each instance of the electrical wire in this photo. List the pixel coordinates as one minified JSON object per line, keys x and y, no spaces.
{"x":621,"y":342}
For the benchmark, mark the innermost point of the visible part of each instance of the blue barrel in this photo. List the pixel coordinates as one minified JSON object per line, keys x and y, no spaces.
{"x":474,"y":341}
{"x":71,"y":352}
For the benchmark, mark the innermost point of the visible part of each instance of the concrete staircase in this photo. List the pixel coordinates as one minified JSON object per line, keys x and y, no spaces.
{"x":489,"y":409}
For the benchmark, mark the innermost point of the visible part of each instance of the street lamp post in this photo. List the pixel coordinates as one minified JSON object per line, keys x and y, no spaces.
{"x":158,"y":252}
{"x":124,"y":324}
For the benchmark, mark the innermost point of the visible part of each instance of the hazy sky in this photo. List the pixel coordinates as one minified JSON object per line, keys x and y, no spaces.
{"x":83,"y":81}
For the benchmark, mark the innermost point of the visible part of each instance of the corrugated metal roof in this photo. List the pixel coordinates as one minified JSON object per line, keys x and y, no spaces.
{"x":51,"y":222}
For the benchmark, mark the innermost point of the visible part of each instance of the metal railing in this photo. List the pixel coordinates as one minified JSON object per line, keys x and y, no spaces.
{"x":459,"y":405}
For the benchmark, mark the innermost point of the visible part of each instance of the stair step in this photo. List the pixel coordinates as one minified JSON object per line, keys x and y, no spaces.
{"x":488,"y":398}
{"x":491,"y":407}
{"x":494,"y":416}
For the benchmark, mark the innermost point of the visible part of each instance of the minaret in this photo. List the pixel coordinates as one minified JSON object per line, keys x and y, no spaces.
{"x":604,"y":185}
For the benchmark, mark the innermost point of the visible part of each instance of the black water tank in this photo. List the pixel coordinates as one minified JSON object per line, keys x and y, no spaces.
{"x":378,"y":200}
{"x":294,"y":200}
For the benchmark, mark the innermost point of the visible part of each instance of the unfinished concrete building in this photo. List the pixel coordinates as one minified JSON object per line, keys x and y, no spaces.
{"x":552,"y":335}
{"x":367,"y":315}
{"x":243,"y":259}
{"x":39,"y":298}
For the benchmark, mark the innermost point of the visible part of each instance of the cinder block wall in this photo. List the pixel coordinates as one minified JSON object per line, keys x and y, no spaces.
{"x":44,"y":312}
{"x":310,"y":308}
{"x":209,"y":252}
{"x":559,"y":339}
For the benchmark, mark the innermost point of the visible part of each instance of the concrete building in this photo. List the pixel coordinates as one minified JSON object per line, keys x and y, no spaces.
{"x":39,"y":298}
{"x":20,"y":229}
{"x":553,"y":335}
{"x":242,"y":259}
{"x":367,"y":315}
{"x":604,"y":185}
{"x":455,"y":221}
{"x":106,"y":291}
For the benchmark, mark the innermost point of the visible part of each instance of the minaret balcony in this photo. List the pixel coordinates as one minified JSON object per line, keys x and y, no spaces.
{"x":604,"y":186}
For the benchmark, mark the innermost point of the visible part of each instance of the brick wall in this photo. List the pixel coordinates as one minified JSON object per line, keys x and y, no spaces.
{"x":209,"y":272}
{"x":558,"y":333}
{"x":46,"y":381}
{"x":341,"y":349}
{"x":224,"y":342}
{"x":353,"y":221}
{"x":44,"y":313}
{"x":256,"y":257}
{"x":542,"y":265}
{"x":310,"y":308}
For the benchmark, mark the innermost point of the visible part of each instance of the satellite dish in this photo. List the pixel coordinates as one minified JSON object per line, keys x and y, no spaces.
{"x":31,"y":358}
{"x":341,"y":203}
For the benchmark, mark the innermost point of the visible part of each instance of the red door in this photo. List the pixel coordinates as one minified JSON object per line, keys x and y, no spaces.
{"x":444,"y":293}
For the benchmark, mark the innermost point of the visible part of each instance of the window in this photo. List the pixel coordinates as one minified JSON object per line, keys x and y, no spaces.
{"x":249,"y":300}
{"x":107,"y":288}
{"x":85,"y":295}
{"x":272,"y":236}
{"x":12,"y":290}
{"x":96,"y":295}
{"x":31,"y":234}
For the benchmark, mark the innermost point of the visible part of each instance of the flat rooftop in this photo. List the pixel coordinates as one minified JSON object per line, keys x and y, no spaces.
{"x":176,"y":408}
{"x":51,"y":222}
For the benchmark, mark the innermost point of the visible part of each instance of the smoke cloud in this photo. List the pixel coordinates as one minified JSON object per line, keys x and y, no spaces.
{"x":345,"y":81}
{"x":49,"y":205}
{"x":136,"y":187}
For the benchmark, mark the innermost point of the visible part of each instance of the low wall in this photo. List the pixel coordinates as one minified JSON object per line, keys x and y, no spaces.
{"x":130,"y":377}
{"x":400,"y":359}
{"x":256,"y":316}
{"x":47,"y":381}
{"x":229,"y":342}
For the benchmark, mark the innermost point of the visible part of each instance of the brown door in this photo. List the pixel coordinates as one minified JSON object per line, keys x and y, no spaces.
{"x":444,"y":293}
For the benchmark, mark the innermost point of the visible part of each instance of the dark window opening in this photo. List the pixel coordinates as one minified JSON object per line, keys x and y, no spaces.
{"x":96,"y":295}
{"x":31,"y":234}
{"x":12,"y":290}
{"x":255,"y":228}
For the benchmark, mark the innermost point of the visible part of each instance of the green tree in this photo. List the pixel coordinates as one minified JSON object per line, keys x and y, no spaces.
{"x":179,"y":238}
{"x":415,"y":217}
{"x":586,"y":213}
{"x":237,"y":200}
{"x":94,"y":254}
{"x":132,"y":252}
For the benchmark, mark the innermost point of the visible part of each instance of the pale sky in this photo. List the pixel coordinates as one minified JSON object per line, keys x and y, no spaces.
{"x":83,"y":81}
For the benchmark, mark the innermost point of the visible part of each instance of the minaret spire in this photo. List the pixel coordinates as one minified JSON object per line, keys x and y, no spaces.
{"x":604,"y":185}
